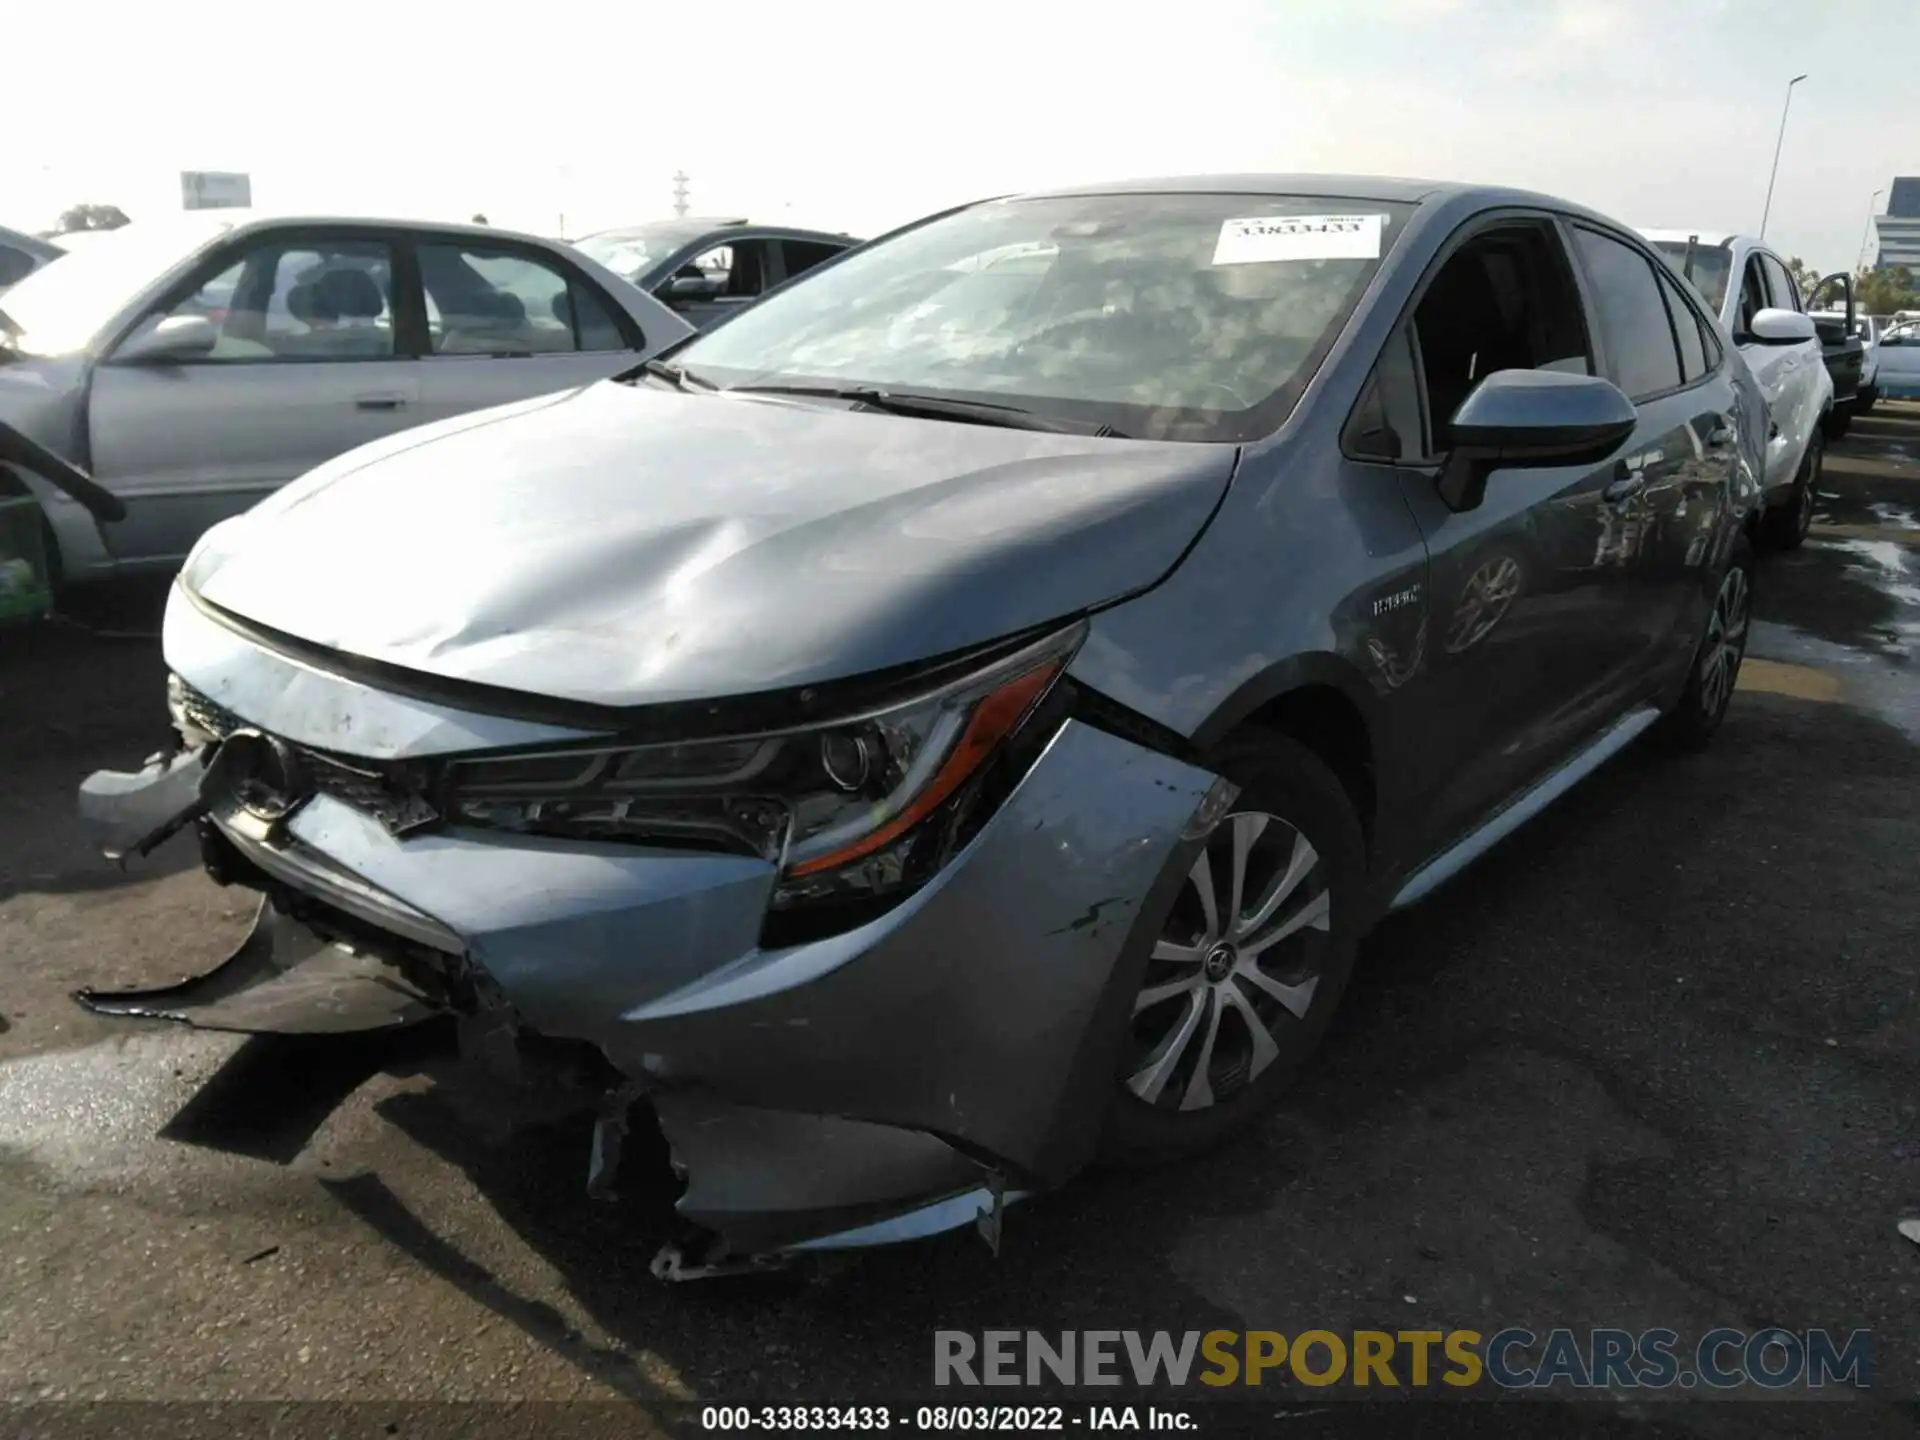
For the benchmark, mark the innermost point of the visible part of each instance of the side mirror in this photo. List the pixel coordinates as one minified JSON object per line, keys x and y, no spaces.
{"x":1527,"y":418}
{"x":1783,"y":327}
{"x":178,"y":337}
{"x":689,"y":287}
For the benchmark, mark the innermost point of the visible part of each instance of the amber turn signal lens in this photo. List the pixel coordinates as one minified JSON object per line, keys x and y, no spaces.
{"x":993,"y":719}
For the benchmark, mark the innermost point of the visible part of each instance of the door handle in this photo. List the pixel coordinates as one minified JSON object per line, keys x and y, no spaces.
{"x":379,"y":402}
{"x":1625,"y":488}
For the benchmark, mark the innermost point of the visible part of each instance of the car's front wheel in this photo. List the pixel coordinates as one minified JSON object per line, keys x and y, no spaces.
{"x":1250,"y":963}
{"x":1837,"y":421}
{"x":1868,"y":397}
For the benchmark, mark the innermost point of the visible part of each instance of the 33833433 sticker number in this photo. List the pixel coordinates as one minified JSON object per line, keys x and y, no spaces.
{"x":759,"y":1418}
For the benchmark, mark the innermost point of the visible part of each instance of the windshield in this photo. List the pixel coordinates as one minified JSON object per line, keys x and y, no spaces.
{"x":632,"y":252}
{"x":61,"y":306}
{"x":1185,"y":317}
{"x":1711,"y":266}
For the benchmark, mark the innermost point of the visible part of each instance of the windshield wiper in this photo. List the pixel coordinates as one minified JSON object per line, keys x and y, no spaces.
{"x":935,"y":407}
{"x":674,"y":375}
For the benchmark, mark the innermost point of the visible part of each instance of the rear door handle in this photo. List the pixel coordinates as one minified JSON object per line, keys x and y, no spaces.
{"x":1625,"y":488}
{"x":379,"y":402}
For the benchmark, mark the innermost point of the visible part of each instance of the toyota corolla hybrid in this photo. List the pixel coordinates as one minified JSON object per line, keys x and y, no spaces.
{"x":954,"y":721}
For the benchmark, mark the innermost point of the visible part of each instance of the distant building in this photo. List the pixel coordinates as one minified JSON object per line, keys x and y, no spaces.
{"x":1898,"y":231}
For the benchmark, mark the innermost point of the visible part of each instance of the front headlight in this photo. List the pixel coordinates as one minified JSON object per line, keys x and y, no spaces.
{"x":848,"y":808}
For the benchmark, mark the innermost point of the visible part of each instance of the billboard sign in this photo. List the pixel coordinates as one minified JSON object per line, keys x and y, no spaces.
{"x":215,"y":190}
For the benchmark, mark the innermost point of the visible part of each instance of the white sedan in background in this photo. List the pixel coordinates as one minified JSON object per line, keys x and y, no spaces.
{"x":195,"y":365}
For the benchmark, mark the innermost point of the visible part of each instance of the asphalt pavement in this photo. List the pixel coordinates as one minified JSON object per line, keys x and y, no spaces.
{"x":1655,"y":1062}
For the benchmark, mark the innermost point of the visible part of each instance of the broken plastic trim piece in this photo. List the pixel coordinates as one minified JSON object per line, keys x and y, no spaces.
{"x":609,"y":1138}
{"x":969,"y":1207}
{"x":131,"y":815}
{"x":673,"y":1264}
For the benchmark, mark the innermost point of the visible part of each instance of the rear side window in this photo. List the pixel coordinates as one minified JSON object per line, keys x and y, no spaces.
{"x":483,"y":300}
{"x":1687,"y":330}
{"x":802,"y":255}
{"x":1642,"y":358}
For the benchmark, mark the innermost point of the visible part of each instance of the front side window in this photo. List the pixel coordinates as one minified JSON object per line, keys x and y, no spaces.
{"x":1632,"y":316}
{"x":1786,"y":294}
{"x":1505,"y":300}
{"x":295,"y":300}
{"x":1753,"y":296}
{"x":738,"y":270}
{"x":484,"y":300}
{"x":1191,"y":317}
{"x":64,"y":305}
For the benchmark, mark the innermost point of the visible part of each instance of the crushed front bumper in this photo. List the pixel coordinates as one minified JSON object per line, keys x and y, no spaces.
{"x":901,"y":1077}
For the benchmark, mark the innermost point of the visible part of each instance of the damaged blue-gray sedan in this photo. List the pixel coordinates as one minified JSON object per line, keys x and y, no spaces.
{"x":954,"y":721}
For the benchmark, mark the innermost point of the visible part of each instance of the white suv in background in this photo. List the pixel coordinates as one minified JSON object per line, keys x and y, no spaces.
{"x":1748,"y":286}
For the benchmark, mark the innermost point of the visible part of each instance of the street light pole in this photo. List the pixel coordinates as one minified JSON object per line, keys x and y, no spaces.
{"x":1775,"y":172}
{"x":1867,"y":232}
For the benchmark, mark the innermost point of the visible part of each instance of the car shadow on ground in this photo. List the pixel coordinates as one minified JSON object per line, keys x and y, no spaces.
{"x":77,"y":692}
{"x":1655,"y":941}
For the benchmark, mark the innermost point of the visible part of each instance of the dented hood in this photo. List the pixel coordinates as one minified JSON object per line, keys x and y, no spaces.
{"x":626,"y":545}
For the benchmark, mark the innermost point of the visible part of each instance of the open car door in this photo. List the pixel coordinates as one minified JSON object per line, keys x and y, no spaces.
{"x":1831,"y":306}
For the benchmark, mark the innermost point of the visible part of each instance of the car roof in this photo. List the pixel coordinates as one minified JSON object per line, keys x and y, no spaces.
{"x":246,"y":220}
{"x":1350,"y":187}
{"x":692,"y":229}
{"x":1463,"y":195}
{"x":1720,"y":239}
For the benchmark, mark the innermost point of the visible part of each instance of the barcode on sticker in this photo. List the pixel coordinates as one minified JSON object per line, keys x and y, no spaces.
{"x":1264,"y":238}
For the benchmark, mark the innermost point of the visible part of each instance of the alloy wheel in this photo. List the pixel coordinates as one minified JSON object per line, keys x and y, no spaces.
{"x":1726,"y":641}
{"x":1236,"y":965}
{"x":1803,"y":519}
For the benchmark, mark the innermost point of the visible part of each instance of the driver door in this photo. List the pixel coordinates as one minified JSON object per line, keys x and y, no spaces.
{"x":1845,"y":351}
{"x":303,"y":368}
{"x":1536,"y":628}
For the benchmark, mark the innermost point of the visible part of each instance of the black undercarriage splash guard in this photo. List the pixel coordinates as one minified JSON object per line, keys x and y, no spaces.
{"x":284,"y":979}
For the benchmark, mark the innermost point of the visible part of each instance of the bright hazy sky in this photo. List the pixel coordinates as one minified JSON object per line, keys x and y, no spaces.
{"x":856,"y":115}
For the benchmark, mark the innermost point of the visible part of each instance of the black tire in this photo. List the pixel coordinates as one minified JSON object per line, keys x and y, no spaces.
{"x":1868,"y":397}
{"x":1696,"y":716}
{"x":1836,"y":421}
{"x":1282,"y":779}
{"x":1787,"y":525}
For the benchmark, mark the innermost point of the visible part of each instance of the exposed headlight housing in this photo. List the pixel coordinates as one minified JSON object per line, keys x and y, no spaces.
{"x":847,"y":809}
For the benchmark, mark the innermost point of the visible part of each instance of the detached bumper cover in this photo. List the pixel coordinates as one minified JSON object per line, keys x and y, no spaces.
{"x":967,"y":1037}
{"x":285,"y":978}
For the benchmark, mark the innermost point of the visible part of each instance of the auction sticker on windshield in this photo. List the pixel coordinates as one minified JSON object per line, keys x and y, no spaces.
{"x":1298,"y":237}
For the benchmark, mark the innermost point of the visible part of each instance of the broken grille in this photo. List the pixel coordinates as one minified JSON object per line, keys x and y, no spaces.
{"x":387,"y":797}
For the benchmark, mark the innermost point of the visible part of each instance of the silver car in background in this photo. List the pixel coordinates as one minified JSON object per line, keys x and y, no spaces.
{"x":197,"y":364}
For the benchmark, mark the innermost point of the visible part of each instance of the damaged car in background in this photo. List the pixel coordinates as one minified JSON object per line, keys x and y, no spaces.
{"x":954,"y":722}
